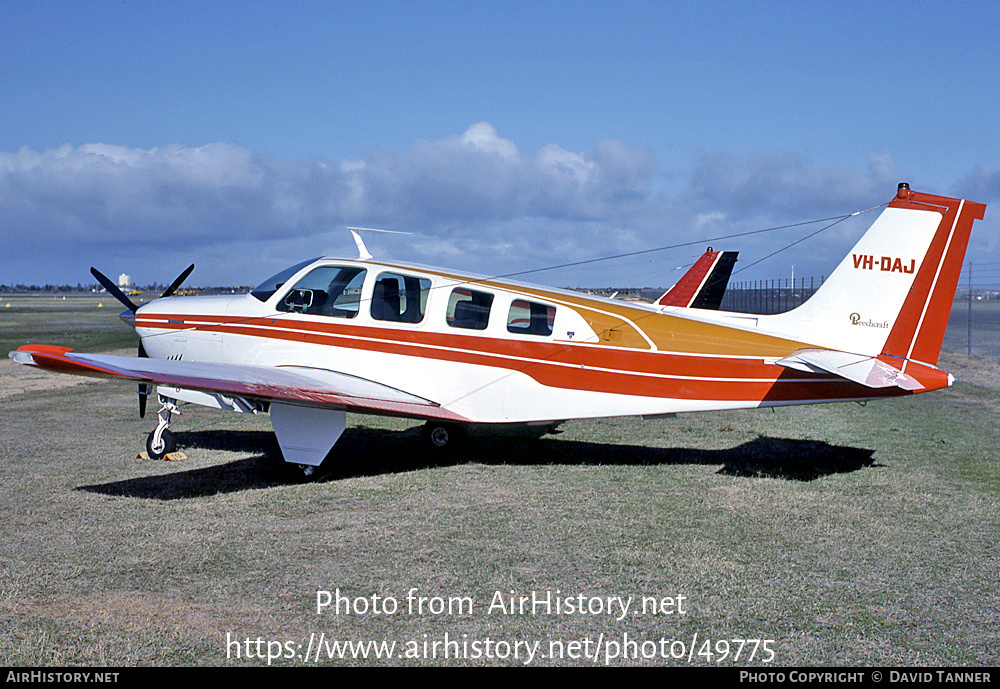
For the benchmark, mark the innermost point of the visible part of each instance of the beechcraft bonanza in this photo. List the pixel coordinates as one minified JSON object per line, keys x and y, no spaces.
{"x":330,"y":336}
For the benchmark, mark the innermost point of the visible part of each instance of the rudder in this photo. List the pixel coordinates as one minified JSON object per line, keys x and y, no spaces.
{"x":919,"y":329}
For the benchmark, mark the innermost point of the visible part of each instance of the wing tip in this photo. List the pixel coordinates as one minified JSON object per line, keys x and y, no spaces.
{"x":24,"y":353}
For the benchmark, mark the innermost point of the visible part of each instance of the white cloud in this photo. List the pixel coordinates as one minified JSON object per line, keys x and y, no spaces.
{"x":479,"y":175}
{"x":483,"y":137}
{"x":475,"y":200}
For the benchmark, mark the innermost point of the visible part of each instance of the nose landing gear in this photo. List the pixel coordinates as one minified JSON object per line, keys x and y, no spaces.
{"x":160,"y":441}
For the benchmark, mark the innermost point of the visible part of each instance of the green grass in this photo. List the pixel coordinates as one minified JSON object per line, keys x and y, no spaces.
{"x":850,"y":535}
{"x":84,"y":323}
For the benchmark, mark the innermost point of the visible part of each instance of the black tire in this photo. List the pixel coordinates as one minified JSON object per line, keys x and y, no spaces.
{"x":167,"y":444}
{"x":442,"y":437}
{"x":307,"y":473}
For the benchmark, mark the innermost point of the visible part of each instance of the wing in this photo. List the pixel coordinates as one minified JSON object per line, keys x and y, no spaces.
{"x":292,"y":384}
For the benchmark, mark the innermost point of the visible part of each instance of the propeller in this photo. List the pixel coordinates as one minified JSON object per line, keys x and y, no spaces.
{"x":177,"y":283}
{"x":113,"y":290}
{"x":144,"y":388}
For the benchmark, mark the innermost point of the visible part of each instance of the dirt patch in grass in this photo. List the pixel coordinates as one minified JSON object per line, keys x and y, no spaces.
{"x":137,"y":610}
{"x":16,"y":379}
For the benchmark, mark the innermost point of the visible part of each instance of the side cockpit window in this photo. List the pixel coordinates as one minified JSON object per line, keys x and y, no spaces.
{"x":469,"y":308}
{"x":399,"y":298}
{"x":327,"y":291}
{"x":530,"y":318}
{"x":266,"y":289}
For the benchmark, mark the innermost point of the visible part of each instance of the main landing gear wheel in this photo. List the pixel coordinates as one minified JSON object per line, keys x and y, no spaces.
{"x":158,"y":449}
{"x":442,"y":437}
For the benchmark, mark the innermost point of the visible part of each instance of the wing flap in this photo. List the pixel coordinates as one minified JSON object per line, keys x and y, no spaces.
{"x":298,"y":385}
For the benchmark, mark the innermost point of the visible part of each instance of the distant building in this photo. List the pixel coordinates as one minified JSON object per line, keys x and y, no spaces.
{"x":124,"y":280}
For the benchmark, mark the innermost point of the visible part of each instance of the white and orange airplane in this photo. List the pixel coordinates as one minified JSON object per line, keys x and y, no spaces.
{"x":331,"y":335}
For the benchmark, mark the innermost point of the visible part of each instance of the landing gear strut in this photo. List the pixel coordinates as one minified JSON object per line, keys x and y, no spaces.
{"x":161,"y":440}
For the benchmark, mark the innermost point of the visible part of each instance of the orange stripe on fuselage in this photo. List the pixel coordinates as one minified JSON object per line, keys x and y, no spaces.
{"x":730,"y":373}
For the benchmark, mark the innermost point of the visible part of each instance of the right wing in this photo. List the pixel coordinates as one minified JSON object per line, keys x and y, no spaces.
{"x":294,"y":385}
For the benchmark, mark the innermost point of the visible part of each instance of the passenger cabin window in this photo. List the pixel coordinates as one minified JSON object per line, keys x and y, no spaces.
{"x":530,"y":318}
{"x":399,"y":298}
{"x":327,"y":291}
{"x":469,"y":308}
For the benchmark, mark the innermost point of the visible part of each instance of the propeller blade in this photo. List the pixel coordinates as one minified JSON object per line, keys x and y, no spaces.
{"x":144,"y":388}
{"x":177,"y":283}
{"x":113,"y":290}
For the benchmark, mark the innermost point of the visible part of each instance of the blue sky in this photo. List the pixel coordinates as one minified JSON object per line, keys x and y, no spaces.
{"x":507,"y":136}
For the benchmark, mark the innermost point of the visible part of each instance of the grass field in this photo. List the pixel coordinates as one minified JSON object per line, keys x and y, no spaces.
{"x":845,"y":535}
{"x":86,"y":323}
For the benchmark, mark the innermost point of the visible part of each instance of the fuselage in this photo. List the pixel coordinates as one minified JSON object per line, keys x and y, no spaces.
{"x":489,"y":350}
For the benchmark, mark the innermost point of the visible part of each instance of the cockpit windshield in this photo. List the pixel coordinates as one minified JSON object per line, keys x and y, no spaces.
{"x":266,"y":289}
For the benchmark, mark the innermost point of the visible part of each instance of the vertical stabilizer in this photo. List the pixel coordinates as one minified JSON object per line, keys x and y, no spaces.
{"x":704,"y":284}
{"x":893,"y":292}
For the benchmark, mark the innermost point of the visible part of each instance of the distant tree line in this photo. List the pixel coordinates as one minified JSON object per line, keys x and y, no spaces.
{"x":20,"y":288}
{"x":87,"y":289}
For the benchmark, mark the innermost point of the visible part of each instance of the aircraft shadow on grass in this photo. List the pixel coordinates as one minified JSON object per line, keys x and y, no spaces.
{"x":374,"y":452}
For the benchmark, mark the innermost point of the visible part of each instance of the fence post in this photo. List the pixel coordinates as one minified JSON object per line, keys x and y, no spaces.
{"x":969,"y":318}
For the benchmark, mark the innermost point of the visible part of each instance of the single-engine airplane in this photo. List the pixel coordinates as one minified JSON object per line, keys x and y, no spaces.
{"x":331,"y":335}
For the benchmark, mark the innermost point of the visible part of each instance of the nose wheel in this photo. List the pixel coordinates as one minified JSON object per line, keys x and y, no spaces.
{"x":160,"y":441}
{"x":157,"y":448}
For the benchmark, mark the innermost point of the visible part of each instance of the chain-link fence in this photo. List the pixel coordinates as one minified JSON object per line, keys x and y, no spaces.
{"x":769,"y":296}
{"x":973,"y":328}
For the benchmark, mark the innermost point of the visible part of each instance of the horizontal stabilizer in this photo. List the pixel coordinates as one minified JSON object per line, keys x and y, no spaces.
{"x":866,"y":370}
